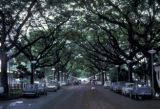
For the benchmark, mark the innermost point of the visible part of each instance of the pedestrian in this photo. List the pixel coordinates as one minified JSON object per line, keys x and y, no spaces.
{"x":92,"y":85}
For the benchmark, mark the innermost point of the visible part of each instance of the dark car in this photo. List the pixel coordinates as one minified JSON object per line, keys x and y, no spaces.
{"x":76,"y":82}
{"x":141,"y":92}
{"x":117,"y":87}
{"x":31,"y":90}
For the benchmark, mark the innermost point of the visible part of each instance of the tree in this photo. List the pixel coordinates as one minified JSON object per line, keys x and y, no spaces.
{"x":11,"y":26}
{"x":19,"y":17}
{"x":134,"y":21}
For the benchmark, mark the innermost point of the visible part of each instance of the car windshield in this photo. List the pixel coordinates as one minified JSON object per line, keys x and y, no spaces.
{"x":30,"y":87}
{"x":130,"y":85}
{"x":52,"y":82}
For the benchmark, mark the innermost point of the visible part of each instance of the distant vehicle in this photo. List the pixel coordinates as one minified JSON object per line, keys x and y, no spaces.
{"x":98,"y":82}
{"x":53,"y":86}
{"x":62,"y":83}
{"x":31,"y":90}
{"x":117,"y":87}
{"x":107,"y":84}
{"x":1,"y":90}
{"x":128,"y":87}
{"x":141,"y":92}
{"x":76,"y":82}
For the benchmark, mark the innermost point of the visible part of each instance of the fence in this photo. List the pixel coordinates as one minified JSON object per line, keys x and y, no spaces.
{"x":16,"y":86}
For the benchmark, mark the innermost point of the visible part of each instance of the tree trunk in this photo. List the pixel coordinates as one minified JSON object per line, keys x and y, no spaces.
{"x":103,"y":79}
{"x":58,"y":76}
{"x":32,"y":74}
{"x":149,"y":69}
{"x":118,"y":71}
{"x":130,"y":79}
{"x":156,"y":87}
{"x":4,"y":75}
{"x":54,"y":77}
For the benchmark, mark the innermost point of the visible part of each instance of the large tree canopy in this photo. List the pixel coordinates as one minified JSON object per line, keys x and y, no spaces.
{"x":79,"y":37}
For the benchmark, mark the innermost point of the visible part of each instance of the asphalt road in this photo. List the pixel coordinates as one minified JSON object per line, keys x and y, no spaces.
{"x":82,"y":97}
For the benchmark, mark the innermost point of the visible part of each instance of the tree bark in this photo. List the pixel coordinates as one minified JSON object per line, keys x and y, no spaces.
{"x":58,"y":76}
{"x":103,"y":78}
{"x":130,"y":79}
{"x":4,"y":76}
{"x":32,"y":73}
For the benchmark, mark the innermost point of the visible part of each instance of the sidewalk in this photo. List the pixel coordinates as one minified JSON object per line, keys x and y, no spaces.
{"x":16,"y":104}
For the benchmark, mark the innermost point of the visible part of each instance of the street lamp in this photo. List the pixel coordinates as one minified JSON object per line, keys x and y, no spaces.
{"x":117,"y":66}
{"x":151,"y":52}
{"x":33,"y":62}
{"x":130,"y":73}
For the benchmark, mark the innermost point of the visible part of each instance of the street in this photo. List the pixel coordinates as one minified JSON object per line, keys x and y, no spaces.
{"x":82,"y":97}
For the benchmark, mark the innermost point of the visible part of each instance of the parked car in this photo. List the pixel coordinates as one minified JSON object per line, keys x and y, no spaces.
{"x":42,"y":88}
{"x":141,"y":92}
{"x":31,"y":90}
{"x":127,"y":88}
{"x":1,"y":90}
{"x":107,"y":84}
{"x":52,"y":86}
{"x":76,"y":82}
{"x":113,"y":85}
{"x":56,"y":83}
{"x":62,"y":83}
{"x":118,"y":86}
{"x":98,"y":83}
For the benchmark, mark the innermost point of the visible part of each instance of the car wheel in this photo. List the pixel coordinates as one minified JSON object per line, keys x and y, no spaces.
{"x":46,"y":93}
{"x":139,"y":97}
{"x":149,"y":97}
{"x":122,"y":93}
{"x":135,"y":97}
{"x":38,"y":94}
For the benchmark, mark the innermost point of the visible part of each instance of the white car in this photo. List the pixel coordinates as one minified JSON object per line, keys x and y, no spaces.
{"x":98,"y":82}
{"x":107,"y":84}
{"x":1,"y":90}
{"x":62,"y":83}
{"x":51,"y":87}
{"x":127,"y":88}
